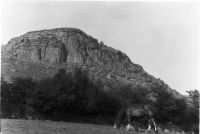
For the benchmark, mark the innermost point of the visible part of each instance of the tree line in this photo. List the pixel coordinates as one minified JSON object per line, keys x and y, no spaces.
{"x":76,"y":97}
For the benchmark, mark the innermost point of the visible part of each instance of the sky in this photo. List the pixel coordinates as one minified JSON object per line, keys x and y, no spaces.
{"x":163,"y":37}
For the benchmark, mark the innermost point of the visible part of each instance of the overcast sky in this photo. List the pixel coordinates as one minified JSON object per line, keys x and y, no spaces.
{"x":162,"y":37}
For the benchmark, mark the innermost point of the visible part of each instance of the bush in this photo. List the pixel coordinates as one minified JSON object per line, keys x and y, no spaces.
{"x":14,"y":95}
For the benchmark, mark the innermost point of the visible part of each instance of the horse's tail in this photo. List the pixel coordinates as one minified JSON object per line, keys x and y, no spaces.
{"x":119,"y":117}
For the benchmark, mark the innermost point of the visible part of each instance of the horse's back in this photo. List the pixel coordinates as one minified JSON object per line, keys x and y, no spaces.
{"x":136,"y":107}
{"x":137,"y":110}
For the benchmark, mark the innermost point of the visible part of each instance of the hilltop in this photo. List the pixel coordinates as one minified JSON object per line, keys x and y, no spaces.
{"x":39,"y":54}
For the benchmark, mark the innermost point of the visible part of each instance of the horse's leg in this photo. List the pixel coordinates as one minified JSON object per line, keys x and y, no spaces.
{"x":119,"y":117}
{"x":149,"y":126}
{"x":154,"y":125}
{"x":115,"y":125}
{"x":135,"y":126}
{"x":129,"y":121}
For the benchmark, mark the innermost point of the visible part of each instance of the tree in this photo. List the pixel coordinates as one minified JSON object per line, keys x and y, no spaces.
{"x":192,"y":115}
{"x":194,"y":95}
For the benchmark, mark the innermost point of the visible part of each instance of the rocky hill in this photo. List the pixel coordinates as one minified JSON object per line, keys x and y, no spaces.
{"x":39,"y":54}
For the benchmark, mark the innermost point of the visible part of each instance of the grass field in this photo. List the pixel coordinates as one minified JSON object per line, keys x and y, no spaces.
{"x":13,"y":126}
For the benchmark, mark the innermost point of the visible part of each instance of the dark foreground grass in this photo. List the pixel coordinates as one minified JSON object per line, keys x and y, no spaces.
{"x":13,"y":126}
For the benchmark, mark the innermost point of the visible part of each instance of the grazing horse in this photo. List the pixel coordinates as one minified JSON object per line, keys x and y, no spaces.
{"x":136,"y":111}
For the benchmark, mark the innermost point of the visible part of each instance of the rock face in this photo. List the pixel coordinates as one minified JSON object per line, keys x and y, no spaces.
{"x":41,"y":53}
{"x":64,"y":45}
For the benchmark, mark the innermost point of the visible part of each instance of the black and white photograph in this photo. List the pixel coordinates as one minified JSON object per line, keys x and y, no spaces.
{"x":99,"y":67}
